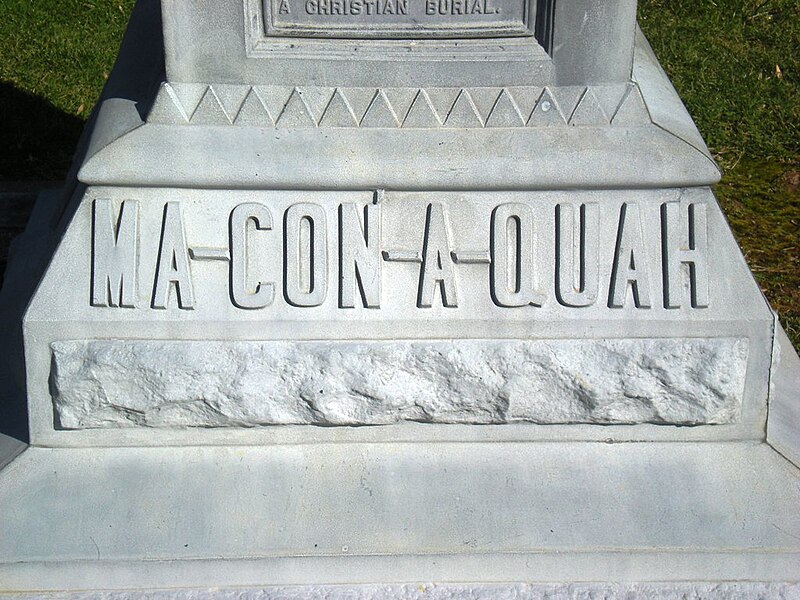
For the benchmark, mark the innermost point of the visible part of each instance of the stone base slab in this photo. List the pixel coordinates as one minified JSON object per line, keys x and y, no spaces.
{"x":419,"y":513}
{"x":427,"y":591}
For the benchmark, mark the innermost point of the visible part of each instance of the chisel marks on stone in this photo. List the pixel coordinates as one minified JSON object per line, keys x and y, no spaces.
{"x":177,"y":384}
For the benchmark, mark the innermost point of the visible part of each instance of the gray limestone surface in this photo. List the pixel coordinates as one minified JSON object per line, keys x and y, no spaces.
{"x":784,"y":416}
{"x":219,"y":308}
{"x":485,"y":229}
{"x":428,"y":591}
{"x":345,"y":514}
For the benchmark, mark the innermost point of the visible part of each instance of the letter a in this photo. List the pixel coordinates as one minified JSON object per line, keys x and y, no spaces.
{"x":173,"y":262}
{"x":630,"y":262}
{"x":437,"y":262}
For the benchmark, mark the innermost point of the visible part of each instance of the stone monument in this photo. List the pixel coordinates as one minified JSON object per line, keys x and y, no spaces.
{"x":396,"y":299}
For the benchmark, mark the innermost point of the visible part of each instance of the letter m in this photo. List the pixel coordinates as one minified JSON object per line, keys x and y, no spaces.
{"x":114,"y":253}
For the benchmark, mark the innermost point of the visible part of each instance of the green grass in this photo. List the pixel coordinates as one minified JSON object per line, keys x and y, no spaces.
{"x":55,"y":56}
{"x":736,"y":64}
{"x":61,"y":50}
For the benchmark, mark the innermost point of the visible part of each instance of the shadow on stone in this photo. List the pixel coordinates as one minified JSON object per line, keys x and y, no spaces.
{"x":45,"y":143}
{"x":27,"y":254}
{"x":40,"y":143}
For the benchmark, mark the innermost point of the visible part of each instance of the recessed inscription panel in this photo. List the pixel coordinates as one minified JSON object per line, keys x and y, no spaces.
{"x":398,"y":18}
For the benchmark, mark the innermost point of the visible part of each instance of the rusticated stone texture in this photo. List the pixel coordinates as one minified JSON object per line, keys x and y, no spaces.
{"x":114,"y":383}
{"x":636,"y":591}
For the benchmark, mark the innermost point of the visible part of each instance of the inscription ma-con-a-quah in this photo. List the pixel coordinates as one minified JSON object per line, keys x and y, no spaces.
{"x":350,"y":236}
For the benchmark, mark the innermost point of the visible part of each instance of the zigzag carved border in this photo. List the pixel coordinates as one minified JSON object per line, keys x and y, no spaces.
{"x":421,"y":108}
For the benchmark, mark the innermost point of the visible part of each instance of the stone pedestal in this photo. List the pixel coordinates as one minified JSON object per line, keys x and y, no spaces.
{"x":378,"y":299}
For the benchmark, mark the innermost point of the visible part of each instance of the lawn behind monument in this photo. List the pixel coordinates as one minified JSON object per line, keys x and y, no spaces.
{"x":736,"y":64}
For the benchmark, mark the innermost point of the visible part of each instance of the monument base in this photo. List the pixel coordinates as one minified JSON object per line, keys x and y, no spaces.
{"x":411,"y":518}
{"x":358,"y":335}
{"x":659,"y":591}
{"x":463,"y":515}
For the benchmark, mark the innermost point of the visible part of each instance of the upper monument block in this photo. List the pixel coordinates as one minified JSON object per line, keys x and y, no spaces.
{"x":400,"y":42}
{"x":396,"y":94}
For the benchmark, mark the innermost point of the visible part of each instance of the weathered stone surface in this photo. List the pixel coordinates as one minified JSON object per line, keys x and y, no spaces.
{"x":108,"y":383}
{"x":658,"y":591}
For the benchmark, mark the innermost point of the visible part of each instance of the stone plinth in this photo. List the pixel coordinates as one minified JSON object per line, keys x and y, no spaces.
{"x":394,"y":299}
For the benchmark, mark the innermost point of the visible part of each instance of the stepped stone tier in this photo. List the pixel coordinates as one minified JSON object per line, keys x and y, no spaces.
{"x":393,"y":299}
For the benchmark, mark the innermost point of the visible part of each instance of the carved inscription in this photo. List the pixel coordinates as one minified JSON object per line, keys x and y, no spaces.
{"x":437,"y":271}
{"x":349,"y":7}
{"x":360,"y":255}
{"x":114,"y":253}
{"x":513,"y":270}
{"x":630,"y":272}
{"x":173,"y":269}
{"x":305,"y":255}
{"x":577,"y":262}
{"x":398,"y":18}
{"x":243,"y":294}
{"x":685,"y":242}
{"x":339,"y":255}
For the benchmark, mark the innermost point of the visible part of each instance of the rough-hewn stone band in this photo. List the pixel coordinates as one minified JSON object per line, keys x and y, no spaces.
{"x":115,"y":383}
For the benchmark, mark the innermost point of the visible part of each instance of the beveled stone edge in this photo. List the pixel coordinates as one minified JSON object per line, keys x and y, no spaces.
{"x":783,"y":417}
{"x":10,"y":449}
{"x":646,"y":154}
